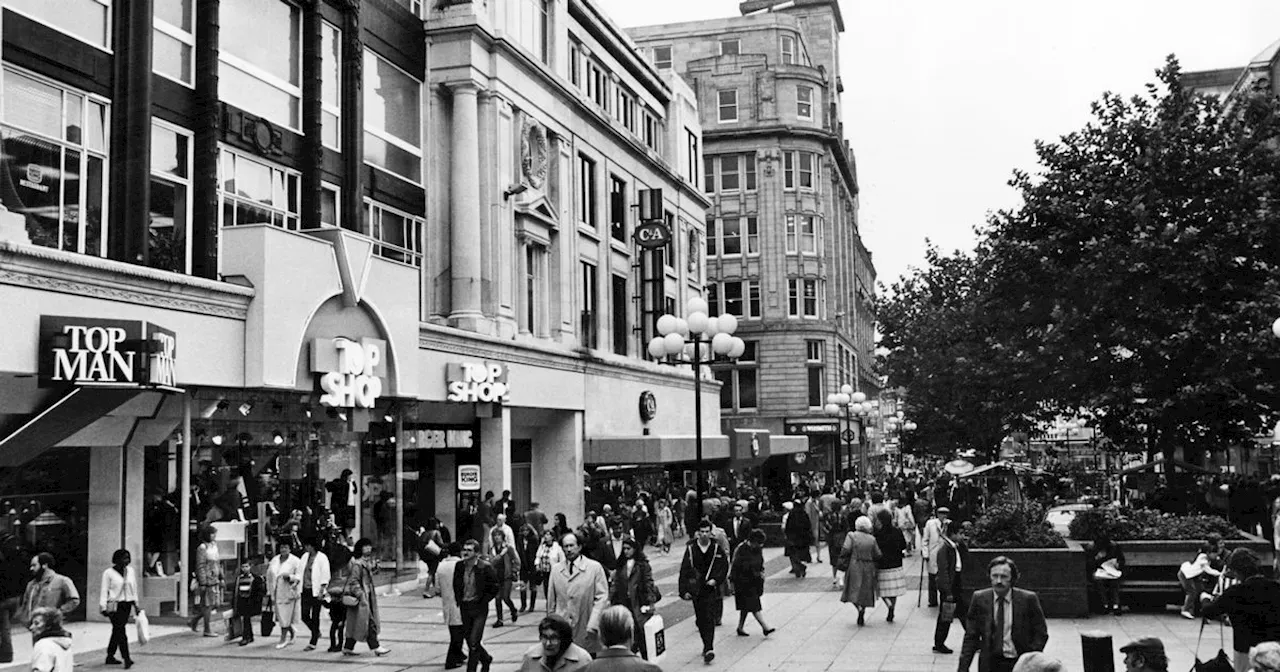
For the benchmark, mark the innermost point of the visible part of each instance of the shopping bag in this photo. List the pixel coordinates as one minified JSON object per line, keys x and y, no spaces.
{"x":144,"y":627}
{"x":268,"y":622}
{"x":655,"y":639}
{"x":433,"y":548}
{"x":1219,"y":663}
{"x":947,"y":611}
{"x":234,"y":627}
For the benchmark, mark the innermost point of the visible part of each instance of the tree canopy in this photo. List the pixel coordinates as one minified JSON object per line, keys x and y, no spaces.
{"x":1137,"y":282}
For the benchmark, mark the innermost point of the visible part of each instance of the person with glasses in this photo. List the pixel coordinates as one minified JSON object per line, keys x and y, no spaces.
{"x":475,"y":583}
{"x":555,"y":650}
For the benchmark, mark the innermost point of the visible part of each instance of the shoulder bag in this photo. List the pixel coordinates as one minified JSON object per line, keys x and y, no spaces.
{"x":1219,"y":663}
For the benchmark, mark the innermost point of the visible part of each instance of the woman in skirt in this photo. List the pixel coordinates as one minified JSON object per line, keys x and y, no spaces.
{"x":891,"y":577}
{"x":747,"y":575}
{"x":860,"y":580}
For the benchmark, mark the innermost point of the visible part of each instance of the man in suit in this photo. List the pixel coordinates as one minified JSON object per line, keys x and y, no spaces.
{"x":610,"y":549}
{"x":475,"y":584}
{"x":617,"y":630}
{"x":950,"y":559}
{"x":930,"y":543}
{"x":739,"y":528}
{"x":1003,"y":622}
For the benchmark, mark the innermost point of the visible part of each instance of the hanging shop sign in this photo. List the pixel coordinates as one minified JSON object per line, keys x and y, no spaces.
{"x":648,"y":406}
{"x":477,"y":381}
{"x":350,"y":372}
{"x":468,"y":477}
{"x":650,"y":235}
{"x":90,"y":351}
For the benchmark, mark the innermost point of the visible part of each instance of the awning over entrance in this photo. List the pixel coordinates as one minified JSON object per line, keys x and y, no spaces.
{"x":86,"y":416}
{"x":653,"y":449}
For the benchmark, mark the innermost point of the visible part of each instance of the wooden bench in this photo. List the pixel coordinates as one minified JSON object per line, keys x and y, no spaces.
{"x":1151,"y":569}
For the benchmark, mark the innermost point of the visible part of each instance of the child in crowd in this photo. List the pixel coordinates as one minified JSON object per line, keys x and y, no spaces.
{"x":246,"y":600}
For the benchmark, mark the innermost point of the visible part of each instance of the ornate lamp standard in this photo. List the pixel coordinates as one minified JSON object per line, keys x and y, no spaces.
{"x":709,"y":337}
{"x":897,"y":423}
{"x":849,"y":404}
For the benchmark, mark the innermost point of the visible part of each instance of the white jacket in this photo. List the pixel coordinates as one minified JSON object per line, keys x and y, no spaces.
{"x":117,"y":588}
{"x":320,"y":575}
{"x":931,"y":542}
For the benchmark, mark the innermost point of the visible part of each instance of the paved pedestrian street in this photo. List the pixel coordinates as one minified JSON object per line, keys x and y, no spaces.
{"x":815,"y":632}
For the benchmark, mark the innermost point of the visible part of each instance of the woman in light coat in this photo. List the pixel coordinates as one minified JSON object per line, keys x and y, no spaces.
{"x":284,"y":581}
{"x":362,"y":617}
{"x":860,"y":579}
{"x":663,"y":538}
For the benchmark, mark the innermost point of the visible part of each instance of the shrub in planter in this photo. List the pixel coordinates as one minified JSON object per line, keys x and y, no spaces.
{"x":1122,"y":523}
{"x":1006,"y":524}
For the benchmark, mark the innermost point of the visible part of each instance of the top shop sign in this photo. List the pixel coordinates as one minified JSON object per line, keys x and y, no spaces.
{"x":117,"y":353}
{"x":477,"y":381}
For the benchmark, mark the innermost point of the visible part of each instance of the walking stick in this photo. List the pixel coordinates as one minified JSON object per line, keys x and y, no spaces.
{"x":920,"y":587}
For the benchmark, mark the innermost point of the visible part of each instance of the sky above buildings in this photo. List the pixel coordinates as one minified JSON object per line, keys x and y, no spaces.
{"x":945,"y":98}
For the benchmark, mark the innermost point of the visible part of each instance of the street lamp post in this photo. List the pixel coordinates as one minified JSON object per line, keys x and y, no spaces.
{"x":901,"y":425}
{"x":708,"y":337}
{"x":848,"y":404}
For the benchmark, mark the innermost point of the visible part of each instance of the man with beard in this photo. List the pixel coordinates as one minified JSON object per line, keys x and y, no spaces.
{"x":48,"y":588}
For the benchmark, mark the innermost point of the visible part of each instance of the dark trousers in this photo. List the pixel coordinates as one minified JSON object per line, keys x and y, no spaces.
{"x":1108,"y":592}
{"x":933,"y":590}
{"x":504,"y":595}
{"x":1002,"y":664}
{"x":311,"y":615}
{"x":246,"y":628}
{"x":119,"y":635}
{"x":455,"y":656}
{"x":704,"y":614}
{"x":7,"y":608}
{"x":337,"y":623}
{"x":943,"y":628}
{"x":473,"y":616}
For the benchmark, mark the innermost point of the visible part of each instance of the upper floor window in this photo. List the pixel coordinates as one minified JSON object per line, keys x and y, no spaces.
{"x":691,"y":165}
{"x":260,"y":59}
{"x":729,"y":172}
{"x":531,"y":22}
{"x":88,"y":20}
{"x":575,"y":63}
{"x":414,"y":6}
{"x":730,"y":47}
{"x":669,"y":250}
{"x":169,"y":228}
{"x":797,"y":169}
{"x":624,"y":108}
{"x":804,"y":102}
{"x":256,"y":192}
{"x":590,"y":305}
{"x":174,"y":40}
{"x":734,"y":172}
{"x":802,"y":234}
{"x":728,"y":236}
{"x":728,"y":105}
{"x":651,"y":133}
{"x":586,"y":201}
{"x":662,"y":57}
{"x":399,"y":234}
{"x":802,"y":297}
{"x":55,"y":153}
{"x":598,"y":84}
{"x":330,"y":85}
{"x":709,"y":174}
{"x":788,"y":49}
{"x":392,"y":119}
{"x":617,"y":208}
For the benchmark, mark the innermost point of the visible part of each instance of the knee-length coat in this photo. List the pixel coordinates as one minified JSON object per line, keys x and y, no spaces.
{"x":860,"y":580}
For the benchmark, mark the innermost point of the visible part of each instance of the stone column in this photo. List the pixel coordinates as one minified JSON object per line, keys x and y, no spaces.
{"x":464,"y":209}
{"x":495,"y":451}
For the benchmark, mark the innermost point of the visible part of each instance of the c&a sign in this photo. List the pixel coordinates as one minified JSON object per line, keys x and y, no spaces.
{"x":351,"y":373}
{"x":91,"y":351}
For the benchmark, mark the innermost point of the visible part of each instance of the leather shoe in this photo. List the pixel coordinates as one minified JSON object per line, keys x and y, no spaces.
{"x":941,"y":648}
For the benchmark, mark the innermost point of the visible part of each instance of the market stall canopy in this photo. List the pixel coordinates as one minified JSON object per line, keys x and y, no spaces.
{"x":994,"y":467}
{"x":1159,"y":462}
{"x":958,"y":467}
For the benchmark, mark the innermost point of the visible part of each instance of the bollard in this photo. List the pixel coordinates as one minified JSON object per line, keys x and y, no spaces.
{"x":1098,"y":654}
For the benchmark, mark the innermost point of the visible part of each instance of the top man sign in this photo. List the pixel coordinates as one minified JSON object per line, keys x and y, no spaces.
{"x":90,"y":351}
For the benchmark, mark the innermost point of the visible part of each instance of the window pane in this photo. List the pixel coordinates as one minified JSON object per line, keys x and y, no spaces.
{"x":176,"y":13}
{"x":815,"y":386}
{"x":381,"y":153}
{"x":254,"y":95}
{"x":95,"y":136}
{"x":732,"y":236}
{"x":328,"y":207}
{"x":168,"y":152}
{"x":747,"y":388}
{"x":32,"y":105}
{"x":95,"y":189}
{"x":391,"y":103}
{"x":167,"y":235}
{"x":171,"y":57}
{"x":725,"y":376}
{"x":330,"y":70}
{"x":34,"y":167}
{"x":264,"y":33}
{"x":74,"y":118}
{"x":71,"y":201}
{"x":86,"y":19}
{"x":329,"y":130}
{"x":729,"y":172}
{"x":733,"y":298}
{"x":252,"y":181}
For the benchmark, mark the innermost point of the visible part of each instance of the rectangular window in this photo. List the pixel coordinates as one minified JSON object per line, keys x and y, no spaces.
{"x":535,"y":292}
{"x":709,"y":174}
{"x":174,"y":40}
{"x":619,"y":299}
{"x":788,"y":49}
{"x":575,"y":63}
{"x":598,"y":84}
{"x":88,"y":20}
{"x":806,"y":170}
{"x":752,"y":235}
{"x":414,"y":6}
{"x":330,"y":199}
{"x":815,"y":386}
{"x":810,"y":298}
{"x":669,"y":251}
{"x":804,"y":102}
{"x":55,"y":150}
{"x":808,"y":234}
{"x":789,"y":227}
{"x":255,"y":192}
{"x":726,"y":378}
{"x":728,"y":105}
{"x":330,"y":85}
{"x":586,"y":203}
{"x":260,"y":62}
{"x":750,"y":172}
{"x":753,"y":299}
{"x":729,"y":172}
{"x":169,"y":228}
{"x":813,"y":351}
{"x":803,"y":297}
{"x":713,"y":235}
{"x":731,"y":236}
{"x":746,"y":383}
{"x":590,"y":299}
{"x":691,"y":166}
{"x":531,"y":22}
{"x":733,"y":296}
{"x":788,"y":170}
{"x":624,"y":108}
{"x":712,"y":296}
{"x":651,"y":133}
{"x":662,"y":58}
{"x":399,"y":235}
{"x":392,"y":119}
{"x":617,"y":208}
{"x":730,"y":47}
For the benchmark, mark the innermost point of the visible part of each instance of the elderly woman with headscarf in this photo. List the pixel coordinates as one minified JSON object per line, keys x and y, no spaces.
{"x":860,"y":553}
{"x":1253,"y":605}
{"x":799,"y":535}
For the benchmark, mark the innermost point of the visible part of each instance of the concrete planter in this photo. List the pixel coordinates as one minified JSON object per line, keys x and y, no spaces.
{"x":1057,"y":575}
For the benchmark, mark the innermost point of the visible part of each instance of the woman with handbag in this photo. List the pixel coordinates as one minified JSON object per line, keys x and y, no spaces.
{"x":631,"y":585}
{"x":507,"y":564}
{"x":527,"y":548}
{"x":284,"y":580}
{"x":208,"y":579}
{"x":117,"y":601}
{"x":430,"y":550}
{"x":746,"y":572}
{"x":549,"y":555}
{"x":861,"y":553}
{"x":361,"y":601}
{"x":1106,"y":566}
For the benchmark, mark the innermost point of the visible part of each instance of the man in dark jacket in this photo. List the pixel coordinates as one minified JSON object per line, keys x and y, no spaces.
{"x":1002,"y":622}
{"x":951,"y":556}
{"x":609,"y":549}
{"x":475,"y":584}
{"x":702,"y":571}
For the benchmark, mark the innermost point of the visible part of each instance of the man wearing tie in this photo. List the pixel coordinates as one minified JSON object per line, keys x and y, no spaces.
{"x":1003,"y":622}
{"x":739,"y":529}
